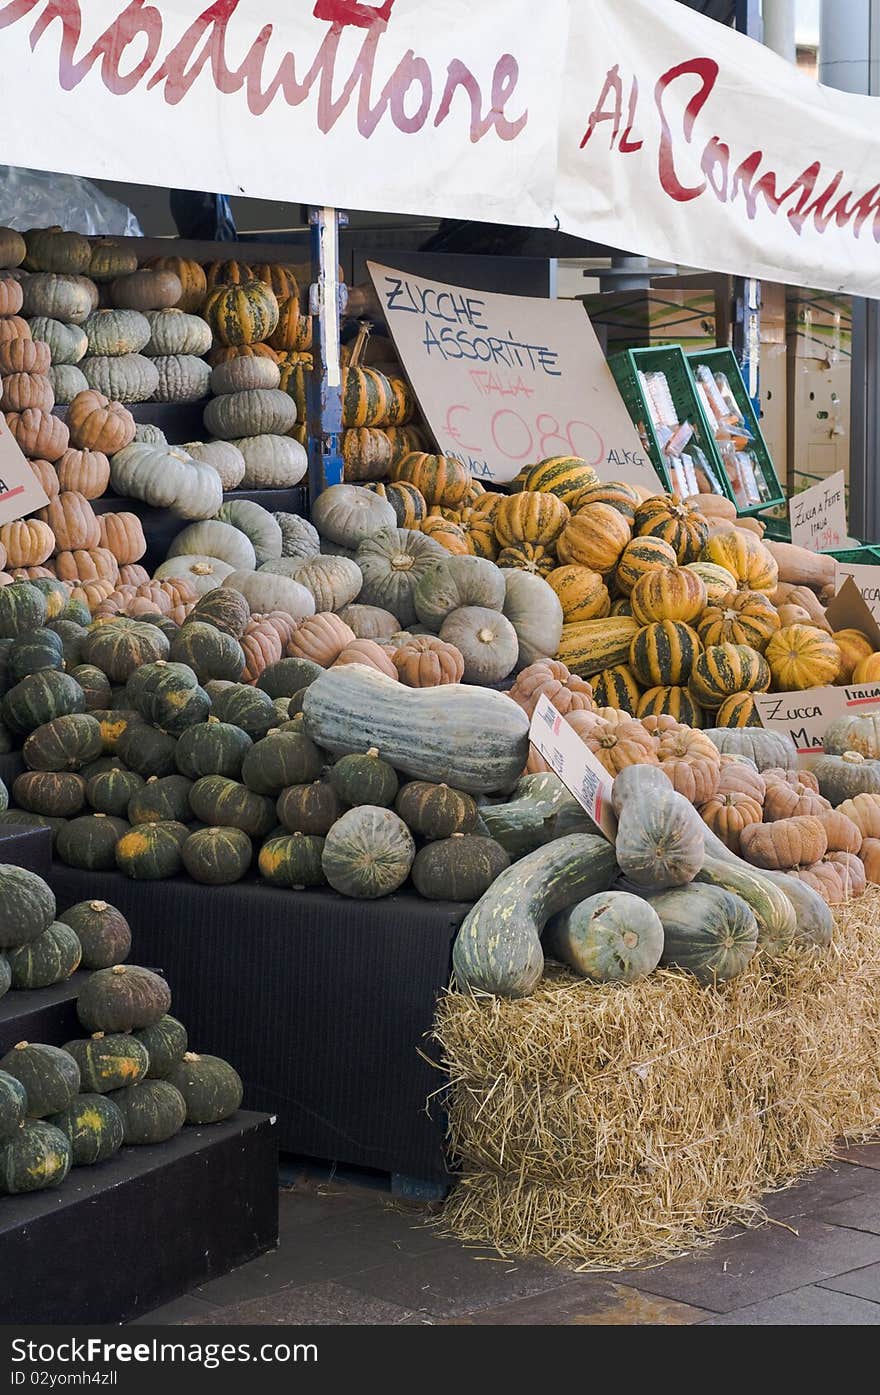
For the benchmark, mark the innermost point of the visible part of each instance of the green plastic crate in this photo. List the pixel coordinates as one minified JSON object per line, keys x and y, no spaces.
{"x":670,"y":360}
{"x":725,"y":361}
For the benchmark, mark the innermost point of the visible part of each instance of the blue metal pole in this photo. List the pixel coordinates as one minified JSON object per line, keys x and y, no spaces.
{"x":327,"y":297}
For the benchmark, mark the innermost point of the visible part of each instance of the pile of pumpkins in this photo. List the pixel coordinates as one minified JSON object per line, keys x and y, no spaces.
{"x":154,"y":333}
{"x":132,"y":1080}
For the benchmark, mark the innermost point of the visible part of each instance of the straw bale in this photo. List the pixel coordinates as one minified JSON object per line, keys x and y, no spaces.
{"x":611,"y":1124}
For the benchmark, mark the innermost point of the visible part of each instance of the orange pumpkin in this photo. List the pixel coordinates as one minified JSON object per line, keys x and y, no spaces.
{"x":87,"y":564}
{"x":96,"y":423}
{"x":368,"y":652}
{"x":86,"y":471}
{"x":72,"y":520}
{"x":321,"y":638}
{"x":28,"y":542}
{"x":224,"y":352}
{"x":194,"y":283}
{"x":123,"y":535}
{"x":11,"y":296}
{"x":23,"y":390}
{"x":40,"y":435}
{"x":442,"y":479}
{"x":426,"y":661}
{"x":24,"y":356}
{"x":293,"y":333}
{"x":14,"y":327}
{"x":46,"y":477}
{"x":262,"y":646}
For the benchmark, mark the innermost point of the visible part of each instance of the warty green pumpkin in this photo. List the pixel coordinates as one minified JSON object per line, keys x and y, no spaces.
{"x":103,"y":932}
{"x":498,"y":947}
{"x":93,"y":1127}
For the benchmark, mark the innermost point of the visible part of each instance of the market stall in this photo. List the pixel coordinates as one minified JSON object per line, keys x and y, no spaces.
{"x":301,"y":734}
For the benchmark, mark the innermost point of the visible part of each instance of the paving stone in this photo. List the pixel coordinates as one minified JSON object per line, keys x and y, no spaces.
{"x":459,"y":1281}
{"x":586,"y":1303}
{"x":313,"y":1305}
{"x":858,"y":1213}
{"x":185,"y":1309}
{"x":804,"y":1307}
{"x":307,"y":1202}
{"x":758,"y":1264}
{"x":863,"y":1283}
{"x":863,"y":1154}
{"x":809,"y":1197}
{"x":358,"y":1239}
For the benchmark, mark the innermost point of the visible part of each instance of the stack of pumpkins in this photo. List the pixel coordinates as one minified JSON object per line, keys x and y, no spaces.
{"x":251,"y":413}
{"x":132,"y":1081}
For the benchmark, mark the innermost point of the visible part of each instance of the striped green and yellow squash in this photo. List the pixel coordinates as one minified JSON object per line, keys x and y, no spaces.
{"x":365,"y":397}
{"x":563,"y":475}
{"x":725,"y":669}
{"x":401,"y":403}
{"x":442,"y":479}
{"x":622,"y":606}
{"x":738,"y":711}
{"x":718,"y":581}
{"x":592,"y":645}
{"x":151,"y":851}
{"x":108,"y":1060}
{"x":664,"y":653}
{"x":641,"y":556}
{"x":407,"y":501}
{"x":241,"y":314}
{"x":617,"y":687}
{"x":671,"y":701}
{"x":620,"y":496}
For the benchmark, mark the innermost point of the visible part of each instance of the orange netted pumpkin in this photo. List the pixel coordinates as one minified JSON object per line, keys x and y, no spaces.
{"x":40,"y":435}
{"x":691,"y":762}
{"x":796,"y":842}
{"x":551,"y":679}
{"x":368,"y":652}
{"x":426,"y":661}
{"x":28,"y":542}
{"x":96,"y":423}
{"x":616,"y":745}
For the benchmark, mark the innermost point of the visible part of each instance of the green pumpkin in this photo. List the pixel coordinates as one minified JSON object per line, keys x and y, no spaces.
{"x":148,"y":751}
{"x":49,"y":1075}
{"x":76,"y":612}
{"x":94,"y":683}
{"x":224,"y":608}
{"x":40,"y":698}
{"x":5,"y":651}
{"x":114,"y":723}
{"x":51,"y":958}
{"x":7,"y":741}
{"x":57,"y":793}
{"x":310,"y":808}
{"x":281,"y":759}
{"x":38,"y":1156}
{"x":152,"y":1111}
{"x":659,"y":834}
{"x":165,"y":1041}
{"x":65,"y":743}
{"x":460,"y":868}
{"x":292,"y":860}
{"x":73,"y":637}
{"x":249,"y":708}
{"x":110,"y":791}
{"x":152,"y":851}
{"x":224,"y":803}
{"x":5,"y":975}
{"x":34,"y":652}
{"x":27,"y":906}
{"x":122,"y":999}
{"x":288,"y":676}
{"x":108,"y":1061}
{"x":209,"y":652}
{"x":57,"y":597}
{"x":168,"y":695}
{"x":94,"y":1128}
{"x":13,"y":1105}
{"x":89,"y":842}
{"x":435,"y":811}
{"x":217,"y":856}
{"x":210,"y":1087}
{"x":23,"y":609}
{"x":843,"y":777}
{"x":103,"y":933}
{"x":708,"y":931}
{"x":212,"y":748}
{"x":364,"y":779}
{"x":368,"y":853}
{"x":610,"y":938}
{"x":165,"y":798}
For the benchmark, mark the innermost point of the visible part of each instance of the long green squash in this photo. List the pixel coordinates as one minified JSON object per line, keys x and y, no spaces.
{"x":498,"y":947}
{"x":777,"y":922}
{"x":815,"y":923}
{"x":470,"y":738}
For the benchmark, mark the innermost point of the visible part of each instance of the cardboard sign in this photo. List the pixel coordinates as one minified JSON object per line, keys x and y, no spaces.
{"x":867,"y":582}
{"x":803,"y":716}
{"x":849,"y":610}
{"x":20,"y":494}
{"x":818,"y":515}
{"x":575,"y":764}
{"x":505,"y":381}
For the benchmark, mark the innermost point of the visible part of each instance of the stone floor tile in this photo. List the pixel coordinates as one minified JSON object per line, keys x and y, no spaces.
{"x":589,"y":1302}
{"x":822,"y":1189}
{"x":758,"y":1264}
{"x":863,"y":1154}
{"x":308,"y":1201}
{"x":315,"y":1305}
{"x":856,"y":1213}
{"x":459,"y":1281}
{"x":323,"y":1250}
{"x":185,"y":1309}
{"x":862,"y":1283}
{"x":811,"y":1306}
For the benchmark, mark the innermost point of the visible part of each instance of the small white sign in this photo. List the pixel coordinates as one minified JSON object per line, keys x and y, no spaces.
{"x":575,"y":764}
{"x":867,"y":580}
{"x":818,"y":515}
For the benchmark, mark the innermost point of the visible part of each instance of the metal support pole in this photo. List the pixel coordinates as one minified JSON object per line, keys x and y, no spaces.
{"x":779,"y":28}
{"x":327,"y":297}
{"x":747,"y":292}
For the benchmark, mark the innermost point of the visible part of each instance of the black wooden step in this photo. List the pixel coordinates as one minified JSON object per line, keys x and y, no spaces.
{"x":120,"y":1238}
{"x":41,"y":1014}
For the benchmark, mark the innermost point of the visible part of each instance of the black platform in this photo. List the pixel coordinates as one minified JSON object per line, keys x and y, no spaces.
{"x":41,"y":1014}
{"x":323,"y":1004}
{"x":11,"y":765}
{"x":27,"y":847}
{"x":115,"y":1240}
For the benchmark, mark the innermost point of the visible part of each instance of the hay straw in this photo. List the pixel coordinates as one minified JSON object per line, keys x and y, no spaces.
{"x":610,"y":1124}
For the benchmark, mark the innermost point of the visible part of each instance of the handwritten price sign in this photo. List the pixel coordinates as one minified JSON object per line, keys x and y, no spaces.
{"x":818,"y":515}
{"x":505,"y":381}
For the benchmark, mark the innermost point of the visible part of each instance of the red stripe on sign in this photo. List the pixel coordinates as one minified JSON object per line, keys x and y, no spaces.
{"x":11,"y":493}
{"x":863,"y":702}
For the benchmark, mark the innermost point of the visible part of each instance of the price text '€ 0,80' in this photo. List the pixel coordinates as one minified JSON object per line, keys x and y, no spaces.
{"x":518,"y":433}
